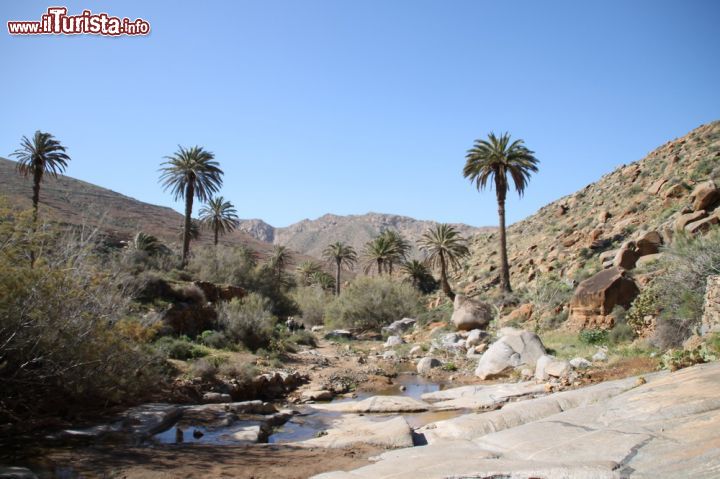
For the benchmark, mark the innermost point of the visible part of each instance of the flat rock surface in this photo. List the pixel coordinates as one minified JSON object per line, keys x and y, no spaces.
{"x":351,"y":430}
{"x":666,"y":427}
{"x":377,"y":404}
{"x":481,"y":396}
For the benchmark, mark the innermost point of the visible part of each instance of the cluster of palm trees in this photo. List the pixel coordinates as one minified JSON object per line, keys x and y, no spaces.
{"x":192,"y":173}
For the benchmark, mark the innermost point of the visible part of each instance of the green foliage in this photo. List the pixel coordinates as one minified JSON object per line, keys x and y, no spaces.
{"x":675,"y":359}
{"x":549,"y":292}
{"x":687,"y":263}
{"x":594,"y":336}
{"x":442,"y":313}
{"x":312,"y":301}
{"x":305,"y":338}
{"x":449,"y":367}
{"x":180,"y":348}
{"x":371,"y":303}
{"x":219,"y":216}
{"x":238,"y":266}
{"x":248,"y":321}
{"x":215,"y":340}
{"x":645,"y":304}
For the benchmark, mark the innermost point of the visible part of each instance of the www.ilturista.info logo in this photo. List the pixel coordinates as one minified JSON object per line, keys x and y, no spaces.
{"x":57,"y":22}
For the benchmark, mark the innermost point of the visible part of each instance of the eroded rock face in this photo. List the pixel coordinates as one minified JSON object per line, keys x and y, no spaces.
{"x":627,"y":256}
{"x":471,"y":314}
{"x":220,"y":292}
{"x":595,"y":298}
{"x":685,"y":219}
{"x":649,"y":243}
{"x":703,"y":225}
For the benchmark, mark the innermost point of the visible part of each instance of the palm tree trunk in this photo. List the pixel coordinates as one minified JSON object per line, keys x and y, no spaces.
{"x":390,"y":265}
{"x":189,"y":193}
{"x":379,"y":262}
{"x":443,"y":278}
{"x":37,"y":179}
{"x":337,"y":278}
{"x":504,"y":267}
{"x":216,"y":234}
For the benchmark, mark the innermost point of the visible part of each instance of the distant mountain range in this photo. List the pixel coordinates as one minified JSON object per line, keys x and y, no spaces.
{"x":71,"y":201}
{"x":312,"y":236}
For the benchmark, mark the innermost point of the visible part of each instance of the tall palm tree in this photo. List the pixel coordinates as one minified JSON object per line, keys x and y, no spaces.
{"x":494,"y":160}
{"x":280,"y":258}
{"x":400,"y":249}
{"x":322,"y":279}
{"x":220,"y":216}
{"x":191,"y":173}
{"x":43,"y":154}
{"x":444,"y":248}
{"x":342,"y":255}
{"x":377,"y":252}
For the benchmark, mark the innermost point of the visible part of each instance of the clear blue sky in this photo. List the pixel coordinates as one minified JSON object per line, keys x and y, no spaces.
{"x":355,"y":106}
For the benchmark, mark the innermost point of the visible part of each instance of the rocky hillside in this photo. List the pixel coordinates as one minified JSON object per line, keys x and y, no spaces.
{"x":72,"y":201}
{"x":600,"y":225}
{"x":312,"y":236}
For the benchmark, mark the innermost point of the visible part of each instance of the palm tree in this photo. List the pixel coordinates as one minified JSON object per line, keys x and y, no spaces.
{"x":494,"y":160}
{"x":415,"y":271}
{"x":400,"y":249}
{"x":378,"y":251}
{"x":419,"y":275}
{"x":322,"y":279}
{"x":342,"y":255}
{"x":444,"y":248}
{"x":191,"y":173}
{"x":280,"y":258}
{"x":148,"y":244}
{"x":306,"y":270}
{"x":220,"y":216}
{"x":43,"y":154}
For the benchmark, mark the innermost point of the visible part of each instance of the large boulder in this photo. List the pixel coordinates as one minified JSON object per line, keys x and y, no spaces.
{"x":649,"y":243}
{"x":426,"y":364}
{"x":400,"y":326}
{"x":595,"y":298}
{"x":703,"y":225}
{"x":705,"y":196}
{"x":685,"y":219}
{"x":471,"y":314}
{"x":626,"y":256}
{"x":514,"y":348}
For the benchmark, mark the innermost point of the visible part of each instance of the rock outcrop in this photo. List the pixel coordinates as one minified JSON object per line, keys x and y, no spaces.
{"x":514,"y":348}
{"x":664,"y":425}
{"x":595,"y":298}
{"x":471,"y":314}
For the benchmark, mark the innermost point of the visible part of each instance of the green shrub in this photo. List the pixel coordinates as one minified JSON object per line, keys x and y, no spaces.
{"x":645,"y":304}
{"x":304,"y":337}
{"x":248,"y":321}
{"x":214,"y":339}
{"x":594,"y":336}
{"x":312,"y":301}
{"x":675,"y":359}
{"x":681,"y":288}
{"x":180,"y":348}
{"x":369,"y":303}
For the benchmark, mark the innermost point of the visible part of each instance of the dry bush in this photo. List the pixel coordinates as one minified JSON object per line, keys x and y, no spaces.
{"x":248,"y":321}
{"x":58,"y":346}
